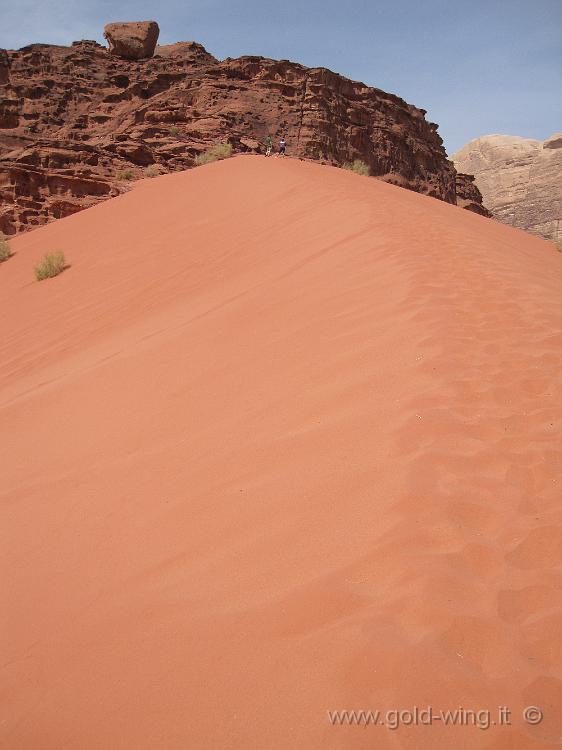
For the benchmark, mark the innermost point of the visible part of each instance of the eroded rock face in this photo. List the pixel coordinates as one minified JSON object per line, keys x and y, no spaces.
{"x":83,"y":116}
{"x":132,"y":41}
{"x":520,"y":180}
{"x":49,"y":180}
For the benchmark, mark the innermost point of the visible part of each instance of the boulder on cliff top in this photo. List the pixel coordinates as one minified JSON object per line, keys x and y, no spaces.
{"x":132,"y":41}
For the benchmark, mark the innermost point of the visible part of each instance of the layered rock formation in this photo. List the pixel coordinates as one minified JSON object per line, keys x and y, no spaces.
{"x":520,"y":180}
{"x":73,"y":119}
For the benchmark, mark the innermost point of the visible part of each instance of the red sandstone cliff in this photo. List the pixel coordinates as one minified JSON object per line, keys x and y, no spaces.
{"x":73,"y":118}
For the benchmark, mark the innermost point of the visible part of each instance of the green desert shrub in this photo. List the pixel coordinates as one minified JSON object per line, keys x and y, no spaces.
{"x":221,"y":151}
{"x":174,"y":130}
{"x":126,"y":174}
{"x":5,"y":251}
{"x":51,"y":264}
{"x":152,"y":171}
{"x":357,"y":166}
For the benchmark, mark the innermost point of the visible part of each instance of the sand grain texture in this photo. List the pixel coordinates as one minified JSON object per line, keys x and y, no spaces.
{"x":281,"y":440}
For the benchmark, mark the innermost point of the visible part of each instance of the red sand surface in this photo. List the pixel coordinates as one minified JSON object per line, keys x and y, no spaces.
{"x":281,"y":441}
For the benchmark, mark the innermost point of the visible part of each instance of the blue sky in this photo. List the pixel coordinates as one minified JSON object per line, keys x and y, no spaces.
{"x":478,"y":67}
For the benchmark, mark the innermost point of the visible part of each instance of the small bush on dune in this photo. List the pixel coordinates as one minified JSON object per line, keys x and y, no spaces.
{"x":358,"y":166}
{"x":126,"y":174}
{"x":51,"y":264}
{"x":152,"y":171}
{"x":5,"y":251}
{"x":222,"y":151}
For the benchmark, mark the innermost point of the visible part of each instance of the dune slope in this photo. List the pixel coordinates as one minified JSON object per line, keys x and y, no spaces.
{"x":280,"y":441}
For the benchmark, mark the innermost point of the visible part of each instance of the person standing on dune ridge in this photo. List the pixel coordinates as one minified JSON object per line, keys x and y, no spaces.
{"x":268,"y":145}
{"x":282,"y":147}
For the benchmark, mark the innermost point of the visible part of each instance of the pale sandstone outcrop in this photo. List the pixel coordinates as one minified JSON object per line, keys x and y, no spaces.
{"x":520,"y":180}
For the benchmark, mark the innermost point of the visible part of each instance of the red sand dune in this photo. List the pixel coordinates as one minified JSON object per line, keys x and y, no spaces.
{"x":281,"y":441}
